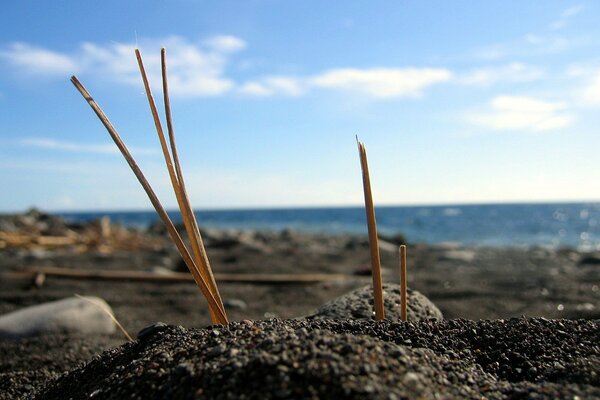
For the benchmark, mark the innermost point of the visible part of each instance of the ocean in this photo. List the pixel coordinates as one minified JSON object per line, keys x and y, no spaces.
{"x":575,"y":225}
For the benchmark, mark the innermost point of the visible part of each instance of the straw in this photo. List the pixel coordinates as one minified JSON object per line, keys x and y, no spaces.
{"x":200,"y":281}
{"x":200,"y":258}
{"x":372,"y":226}
{"x":107,"y":312}
{"x":194,"y":231}
{"x":403,"y":283}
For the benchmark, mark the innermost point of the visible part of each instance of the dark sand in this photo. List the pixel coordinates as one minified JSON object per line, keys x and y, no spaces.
{"x":469,"y":283}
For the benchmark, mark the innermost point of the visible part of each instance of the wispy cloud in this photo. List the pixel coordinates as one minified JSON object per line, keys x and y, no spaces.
{"x":194,"y":69}
{"x":52,"y":144}
{"x":225,"y":43}
{"x":591,"y":92}
{"x":382,"y":83}
{"x":565,"y":17}
{"x":35,"y":60}
{"x":513,"y":72}
{"x":527,"y":45}
{"x":522,"y":113}
{"x":199,"y":69}
{"x":274,"y":85}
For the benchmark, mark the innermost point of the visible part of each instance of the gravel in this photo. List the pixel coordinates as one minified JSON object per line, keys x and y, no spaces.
{"x":450,"y":359}
{"x":358,"y":304}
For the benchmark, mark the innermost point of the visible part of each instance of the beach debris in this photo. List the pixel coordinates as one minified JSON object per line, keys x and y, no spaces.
{"x":358,"y":304}
{"x":38,"y":231}
{"x":71,"y":315}
{"x":372,"y":227}
{"x":403,"y":283}
{"x":173,"y":277}
{"x":198,"y":263}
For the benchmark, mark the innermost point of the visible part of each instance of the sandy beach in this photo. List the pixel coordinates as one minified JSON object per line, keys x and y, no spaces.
{"x":471,"y":283}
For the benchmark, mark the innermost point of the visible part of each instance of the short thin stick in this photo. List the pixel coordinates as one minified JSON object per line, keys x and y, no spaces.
{"x":372,"y":225}
{"x":152,"y":196}
{"x":199,"y":260}
{"x":188,"y":214}
{"x":403,"y":283}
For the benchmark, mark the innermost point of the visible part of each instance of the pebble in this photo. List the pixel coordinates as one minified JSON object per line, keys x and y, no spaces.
{"x":72,"y":315}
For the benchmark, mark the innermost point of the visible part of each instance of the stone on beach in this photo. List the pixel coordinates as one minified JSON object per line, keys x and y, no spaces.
{"x":71,"y":315}
{"x":358,"y":304}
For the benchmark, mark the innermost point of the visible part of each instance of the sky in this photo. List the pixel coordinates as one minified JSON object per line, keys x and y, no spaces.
{"x":456,"y":101}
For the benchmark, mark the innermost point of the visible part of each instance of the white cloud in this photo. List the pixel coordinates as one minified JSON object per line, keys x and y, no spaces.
{"x":194,"y":70}
{"x":382,"y":83}
{"x":591,"y":93}
{"x":225,"y":43}
{"x":52,"y":144}
{"x":513,"y":72}
{"x":199,"y":69}
{"x":36,"y":60}
{"x":256,"y":89}
{"x":274,"y":85}
{"x":565,"y":16}
{"x":522,"y":113}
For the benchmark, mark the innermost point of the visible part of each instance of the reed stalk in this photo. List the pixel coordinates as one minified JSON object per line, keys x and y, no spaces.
{"x":176,"y":177}
{"x":372,"y":227}
{"x":198,"y":278}
{"x":403,"y":284}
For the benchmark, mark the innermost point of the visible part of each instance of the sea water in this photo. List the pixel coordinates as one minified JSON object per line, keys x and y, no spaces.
{"x":575,"y":225}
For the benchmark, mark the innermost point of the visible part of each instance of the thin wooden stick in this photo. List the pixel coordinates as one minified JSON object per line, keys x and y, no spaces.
{"x":188,"y":214}
{"x":172,"y":277}
{"x":189,"y":262}
{"x":372,"y":225}
{"x":403,"y":284}
{"x":199,"y":260}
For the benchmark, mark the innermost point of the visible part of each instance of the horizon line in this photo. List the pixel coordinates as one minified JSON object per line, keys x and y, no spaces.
{"x":306,"y":207}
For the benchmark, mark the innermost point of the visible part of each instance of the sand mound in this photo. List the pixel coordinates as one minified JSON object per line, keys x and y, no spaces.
{"x":358,"y":304}
{"x":347,"y":359}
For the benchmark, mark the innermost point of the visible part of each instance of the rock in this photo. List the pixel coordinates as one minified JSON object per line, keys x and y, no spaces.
{"x":590,"y":259}
{"x":72,"y":315}
{"x":388,"y":246}
{"x":150,"y":330}
{"x":358,"y":304}
{"x":396,"y":239}
{"x":159,"y":270}
{"x":458,"y":255}
{"x":235,"y":304}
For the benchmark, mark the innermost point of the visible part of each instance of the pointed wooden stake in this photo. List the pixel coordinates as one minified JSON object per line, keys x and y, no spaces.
{"x":403,"y":284}
{"x":372,"y":226}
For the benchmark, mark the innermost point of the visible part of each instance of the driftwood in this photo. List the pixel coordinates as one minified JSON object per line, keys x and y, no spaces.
{"x":173,"y":277}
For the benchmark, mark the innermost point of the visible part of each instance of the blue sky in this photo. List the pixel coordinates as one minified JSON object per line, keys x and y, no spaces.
{"x":456,"y":101}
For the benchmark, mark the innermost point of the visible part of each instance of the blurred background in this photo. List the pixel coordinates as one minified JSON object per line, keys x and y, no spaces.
{"x":458,"y":103}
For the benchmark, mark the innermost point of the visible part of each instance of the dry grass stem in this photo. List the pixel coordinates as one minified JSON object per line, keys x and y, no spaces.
{"x":107,"y":312}
{"x":372,"y":226}
{"x":187,"y":214}
{"x":200,"y":258}
{"x":403,"y":284}
{"x":200,"y":281}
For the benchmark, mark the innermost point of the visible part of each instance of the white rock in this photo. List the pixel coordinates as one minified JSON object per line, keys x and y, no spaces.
{"x":72,"y":315}
{"x":459,"y":255}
